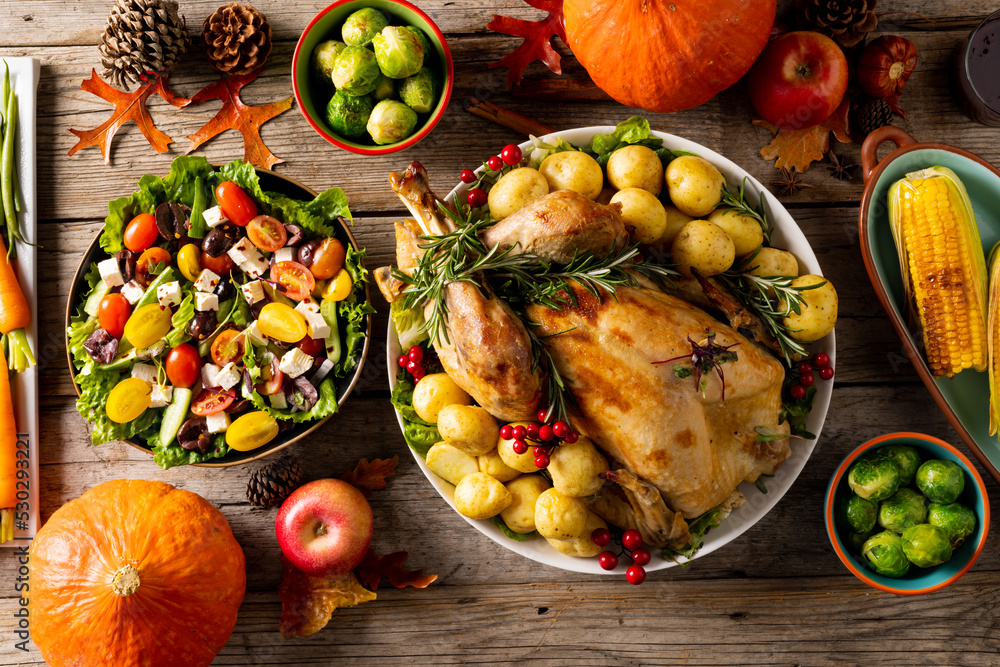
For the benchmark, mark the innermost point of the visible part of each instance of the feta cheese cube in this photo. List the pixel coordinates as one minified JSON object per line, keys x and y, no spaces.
{"x":295,"y":362}
{"x":255,"y":265}
{"x":110,"y":273}
{"x":210,"y":375}
{"x":207,"y":281}
{"x":218,"y":422}
{"x":254,"y":335}
{"x":321,"y":372}
{"x":228,"y":376}
{"x":307,"y":307}
{"x":253,"y":291}
{"x":278,"y":400}
{"x":161,"y":395}
{"x":169,"y":294}
{"x":214,"y":217}
{"x":145,"y":372}
{"x":132,"y":291}
{"x":240,"y":252}
{"x":286,"y":254}
{"x":203,"y":301}
{"x":318,"y":328}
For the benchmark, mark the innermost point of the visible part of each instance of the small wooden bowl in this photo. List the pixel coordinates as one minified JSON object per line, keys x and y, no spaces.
{"x":270,"y":182}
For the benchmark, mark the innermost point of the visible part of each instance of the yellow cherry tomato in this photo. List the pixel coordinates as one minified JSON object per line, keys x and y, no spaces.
{"x":128,"y":400}
{"x":147,"y":325}
{"x":339,"y":287}
{"x":252,"y":430}
{"x":281,"y":322}
{"x":189,"y":261}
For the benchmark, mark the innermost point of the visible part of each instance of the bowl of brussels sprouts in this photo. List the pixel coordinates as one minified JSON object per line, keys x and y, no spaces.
{"x":907,"y":513}
{"x":372,"y":76}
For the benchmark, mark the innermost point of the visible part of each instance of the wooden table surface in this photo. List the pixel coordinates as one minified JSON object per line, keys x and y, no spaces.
{"x":777,"y":595}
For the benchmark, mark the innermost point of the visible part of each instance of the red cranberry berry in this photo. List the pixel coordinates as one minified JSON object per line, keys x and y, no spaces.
{"x":797,"y":391}
{"x":542,"y":414}
{"x":635,"y":575}
{"x":519,"y":446}
{"x":506,"y":431}
{"x":805,"y":368}
{"x":560,"y":429}
{"x":495,"y":163}
{"x":607,"y":560}
{"x":542,"y":461}
{"x":511,"y":154}
{"x":520,"y":433}
{"x":807,"y":380}
{"x":571,"y":437}
{"x":476,"y":197}
{"x":418,"y":373}
{"x":544,"y":432}
{"x":468,"y":176}
{"x":412,"y":366}
{"x":826,"y":373}
{"x":532,"y":431}
{"x":641,"y":556}
{"x":416,"y":353}
{"x":821,"y":360}
{"x":538,"y":451}
{"x":601,"y":537}
{"x":403,"y":360}
{"x":631,"y":539}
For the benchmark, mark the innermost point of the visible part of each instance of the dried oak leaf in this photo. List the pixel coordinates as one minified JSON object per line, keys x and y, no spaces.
{"x":368,"y":477}
{"x":797,"y":149}
{"x":128,"y":106}
{"x":235,"y":115}
{"x":536,"y":36}
{"x":308,"y":602}
{"x":374,"y":567}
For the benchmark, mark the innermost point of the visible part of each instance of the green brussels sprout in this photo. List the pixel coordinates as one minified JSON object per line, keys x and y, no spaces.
{"x":874,"y":478}
{"x":941,"y":481}
{"x":385,"y":88}
{"x":324,"y":56}
{"x":398,"y":51}
{"x":417,"y":91}
{"x":391,"y":121}
{"x":901,"y":510}
{"x":355,"y":71}
{"x":425,"y":43}
{"x":857,"y":513}
{"x":884,"y":553}
{"x":926,"y":545}
{"x":906,"y":457}
{"x":362,"y":26}
{"x":954,"y":518}
{"x":348,"y":115}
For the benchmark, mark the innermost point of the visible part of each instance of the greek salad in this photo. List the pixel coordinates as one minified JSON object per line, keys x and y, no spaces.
{"x":221,"y":315}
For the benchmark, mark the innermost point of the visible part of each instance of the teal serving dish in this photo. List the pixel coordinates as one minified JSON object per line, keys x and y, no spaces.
{"x":964,"y":399}
{"x":918,"y":580}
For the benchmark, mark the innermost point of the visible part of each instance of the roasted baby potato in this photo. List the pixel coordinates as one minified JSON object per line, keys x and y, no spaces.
{"x":479,"y":496}
{"x":704,"y":246}
{"x":573,"y":170}
{"x":434,"y":392}
{"x":559,"y":517}
{"x":450,"y":463}
{"x":636,"y":167}
{"x":695,"y":185}
{"x":643,"y":211}
{"x":583,"y":546}
{"x":774,"y":262}
{"x":574,"y":468}
{"x":516,"y":189}
{"x":746,"y":233}
{"x":520,"y":514}
{"x":520,"y":462}
{"x":675,"y":223}
{"x":468,"y":427}
{"x":819,"y":312}
{"x":492,"y":464}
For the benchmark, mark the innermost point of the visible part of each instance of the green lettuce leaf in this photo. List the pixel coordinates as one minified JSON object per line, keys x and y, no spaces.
{"x":698,"y":528}
{"x":182,"y":316}
{"x":543,"y":149}
{"x":419,"y":435}
{"x":352,"y":313}
{"x":630,"y":131}
{"x":175,"y":455}
{"x":409,"y":323}
{"x":505,"y":529}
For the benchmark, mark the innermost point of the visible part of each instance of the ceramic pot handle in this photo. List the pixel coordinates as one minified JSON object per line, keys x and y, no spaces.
{"x":869,"y":149}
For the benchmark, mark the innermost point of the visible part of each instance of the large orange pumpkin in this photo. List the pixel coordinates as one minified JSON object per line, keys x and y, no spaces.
{"x":667,"y":55}
{"x":135,"y":573}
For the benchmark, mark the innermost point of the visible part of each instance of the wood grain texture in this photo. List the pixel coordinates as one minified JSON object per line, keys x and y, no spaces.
{"x":776,"y":596}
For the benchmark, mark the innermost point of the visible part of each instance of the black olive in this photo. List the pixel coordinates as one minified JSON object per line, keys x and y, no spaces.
{"x":301,"y":393}
{"x":238,"y":406}
{"x":171,"y":221}
{"x":220,"y":239}
{"x":194,"y":434}
{"x":101,"y":346}
{"x":225,"y":289}
{"x":202,"y":325}
{"x":257,"y":307}
{"x":307,"y":252}
{"x":294,"y":234}
{"x":127,"y":261}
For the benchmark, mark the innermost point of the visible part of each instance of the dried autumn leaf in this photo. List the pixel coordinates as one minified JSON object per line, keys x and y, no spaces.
{"x":368,"y":477}
{"x":797,"y":149}
{"x":235,"y":115}
{"x":128,"y":106}
{"x":536,"y":36}
{"x":308,"y":602}
{"x":374,"y":567}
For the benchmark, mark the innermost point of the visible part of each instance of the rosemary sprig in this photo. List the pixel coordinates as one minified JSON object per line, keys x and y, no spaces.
{"x":738,"y":202}
{"x":561,"y":401}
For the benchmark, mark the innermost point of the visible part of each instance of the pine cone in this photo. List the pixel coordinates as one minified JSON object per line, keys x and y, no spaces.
{"x":141,"y":35}
{"x":236,"y":38}
{"x":872,"y":115}
{"x":270,"y":485}
{"x":847,"y":21}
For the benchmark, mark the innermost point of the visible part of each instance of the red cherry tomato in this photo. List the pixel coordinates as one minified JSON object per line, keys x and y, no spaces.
{"x":227,"y":346}
{"x":112,"y":314}
{"x":328,"y":259}
{"x":312,"y":346}
{"x":271,"y":378}
{"x":148,"y":259}
{"x":235,"y":204}
{"x":210,"y":402}
{"x":183,"y":365}
{"x":295,"y":278}
{"x":141,"y":232}
{"x":222,"y":265}
{"x":267,"y":233}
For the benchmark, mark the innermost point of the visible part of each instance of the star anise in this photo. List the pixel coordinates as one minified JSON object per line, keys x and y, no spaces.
{"x":842,"y":171}
{"x":791,"y":182}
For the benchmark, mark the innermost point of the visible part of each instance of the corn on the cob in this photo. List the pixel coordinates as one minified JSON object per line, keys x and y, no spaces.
{"x":993,"y":331}
{"x":943,"y":267}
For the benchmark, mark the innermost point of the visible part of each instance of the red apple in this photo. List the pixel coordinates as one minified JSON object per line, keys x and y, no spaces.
{"x":799,"y":80}
{"x":324,"y":527}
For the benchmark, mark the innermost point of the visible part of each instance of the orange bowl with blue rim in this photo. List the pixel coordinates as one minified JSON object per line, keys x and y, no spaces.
{"x":918,"y":580}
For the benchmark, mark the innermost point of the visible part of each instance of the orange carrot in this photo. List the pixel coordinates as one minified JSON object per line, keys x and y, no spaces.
{"x":8,"y":455}
{"x":15,"y":315}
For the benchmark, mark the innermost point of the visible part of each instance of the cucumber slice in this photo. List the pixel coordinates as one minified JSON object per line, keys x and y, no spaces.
{"x":174,"y":415}
{"x":94,"y":300}
{"x":328,"y":309}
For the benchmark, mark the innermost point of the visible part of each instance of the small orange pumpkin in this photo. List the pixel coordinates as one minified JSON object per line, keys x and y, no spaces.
{"x":667,"y":55}
{"x":135,"y":573}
